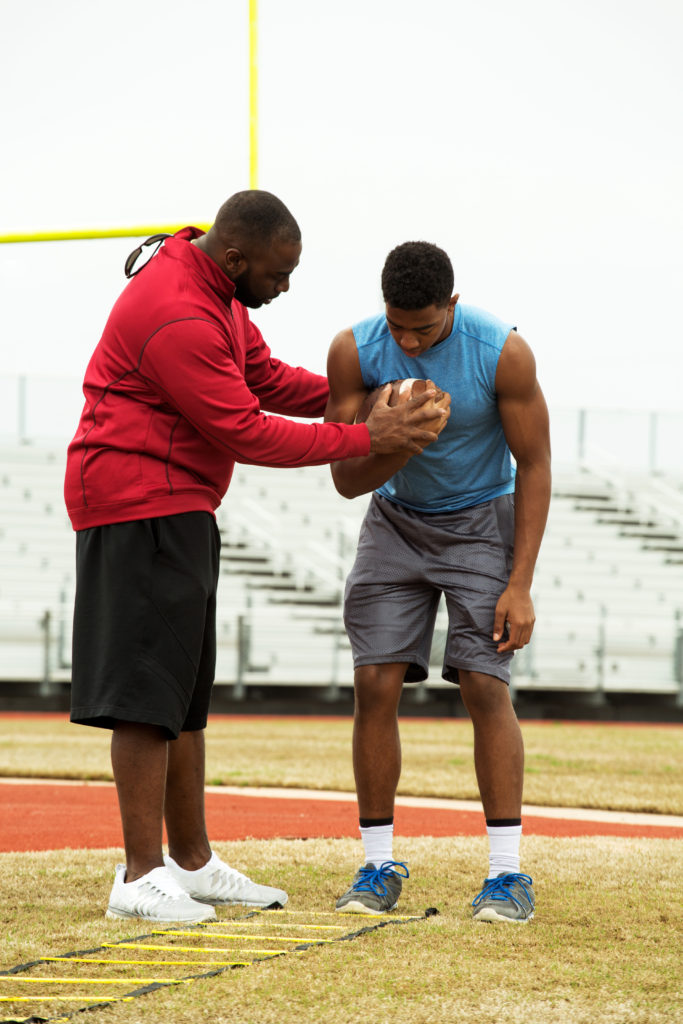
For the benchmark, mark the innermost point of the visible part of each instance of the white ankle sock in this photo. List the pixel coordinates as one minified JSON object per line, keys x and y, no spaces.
{"x":504,"y":843}
{"x":377,"y":843}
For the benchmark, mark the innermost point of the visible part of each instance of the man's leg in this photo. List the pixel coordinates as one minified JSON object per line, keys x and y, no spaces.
{"x":376,"y":740}
{"x":143,"y":887}
{"x":499,"y":764}
{"x":188,"y":843}
{"x":139,"y":756}
{"x":377,"y":768}
{"x":498,"y":744}
{"x":157,"y":778}
{"x":203,"y":875}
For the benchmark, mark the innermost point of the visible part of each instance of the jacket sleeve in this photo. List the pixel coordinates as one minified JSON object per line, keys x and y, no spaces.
{"x":198,"y":377}
{"x":280,"y":388}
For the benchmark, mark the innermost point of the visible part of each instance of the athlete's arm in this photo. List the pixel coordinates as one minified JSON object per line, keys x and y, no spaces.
{"x":395,"y":433}
{"x":524,"y":416}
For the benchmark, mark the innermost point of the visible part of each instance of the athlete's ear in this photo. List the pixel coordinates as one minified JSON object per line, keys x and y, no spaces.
{"x":452,"y":302}
{"x":235,"y":263}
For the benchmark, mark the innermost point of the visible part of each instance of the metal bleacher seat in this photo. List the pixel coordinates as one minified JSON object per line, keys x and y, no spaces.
{"x":608,"y":588}
{"x":607,"y":602}
{"x":302,"y":536}
{"x":37,"y":559}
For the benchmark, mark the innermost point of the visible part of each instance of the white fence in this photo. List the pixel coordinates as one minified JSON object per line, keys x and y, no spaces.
{"x":608,"y":587}
{"x":39,"y":408}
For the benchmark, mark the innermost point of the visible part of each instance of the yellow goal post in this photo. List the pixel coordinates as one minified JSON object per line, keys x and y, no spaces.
{"x":145,"y":230}
{"x":139,"y":231}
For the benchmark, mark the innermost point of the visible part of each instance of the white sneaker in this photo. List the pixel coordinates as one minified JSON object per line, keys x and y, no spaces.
{"x":154,"y":897}
{"x":222,"y":886}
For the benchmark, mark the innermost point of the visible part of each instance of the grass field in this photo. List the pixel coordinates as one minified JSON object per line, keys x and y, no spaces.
{"x":635,"y":768}
{"x":605,"y":945}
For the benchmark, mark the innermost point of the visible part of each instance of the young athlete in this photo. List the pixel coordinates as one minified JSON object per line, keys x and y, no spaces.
{"x":460,"y":519}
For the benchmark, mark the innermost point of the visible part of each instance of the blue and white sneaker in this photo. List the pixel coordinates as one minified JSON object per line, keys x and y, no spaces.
{"x":374,"y":890}
{"x":505,"y":898}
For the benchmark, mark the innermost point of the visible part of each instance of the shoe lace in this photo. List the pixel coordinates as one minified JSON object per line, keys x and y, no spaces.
{"x":500,"y":888}
{"x":374,"y":879}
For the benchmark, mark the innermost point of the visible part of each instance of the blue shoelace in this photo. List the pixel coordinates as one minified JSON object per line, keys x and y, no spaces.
{"x":374,"y":879}
{"x":500,"y":889}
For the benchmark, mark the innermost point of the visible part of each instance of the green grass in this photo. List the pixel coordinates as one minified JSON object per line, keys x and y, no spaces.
{"x":605,"y":945}
{"x":597,"y":766}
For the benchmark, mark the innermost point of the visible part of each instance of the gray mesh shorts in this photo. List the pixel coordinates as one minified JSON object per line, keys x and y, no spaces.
{"x":405,"y":561}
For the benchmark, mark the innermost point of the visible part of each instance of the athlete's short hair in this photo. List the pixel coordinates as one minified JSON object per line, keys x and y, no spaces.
{"x":259,"y":216}
{"x":417,"y":275}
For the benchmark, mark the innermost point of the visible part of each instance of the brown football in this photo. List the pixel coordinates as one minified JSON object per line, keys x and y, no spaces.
{"x":401,"y":391}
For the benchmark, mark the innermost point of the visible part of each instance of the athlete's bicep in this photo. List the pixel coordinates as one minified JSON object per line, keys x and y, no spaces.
{"x":347,"y":390}
{"x":521,"y":404}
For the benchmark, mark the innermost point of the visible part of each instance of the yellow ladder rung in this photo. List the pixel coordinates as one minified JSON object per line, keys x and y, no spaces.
{"x":187,"y":949}
{"x":280,"y":924}
{"x":336,"y":913}
{"x":227,"y":935}
{"x":97,"y":981}
{"x":149,"y":963}
{"x":66,"y":999}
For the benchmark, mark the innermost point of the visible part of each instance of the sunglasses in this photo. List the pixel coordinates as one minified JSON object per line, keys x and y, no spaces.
{"x":136,"y":253}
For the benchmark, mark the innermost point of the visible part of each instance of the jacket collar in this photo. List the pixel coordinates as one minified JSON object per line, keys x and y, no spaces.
{"x":208,"y":269}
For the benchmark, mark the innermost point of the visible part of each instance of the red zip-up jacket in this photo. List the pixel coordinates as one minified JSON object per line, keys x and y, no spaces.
{"x":175,"y":394}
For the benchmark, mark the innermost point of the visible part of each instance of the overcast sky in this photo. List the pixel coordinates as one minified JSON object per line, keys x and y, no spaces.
{"x":538,"y":142}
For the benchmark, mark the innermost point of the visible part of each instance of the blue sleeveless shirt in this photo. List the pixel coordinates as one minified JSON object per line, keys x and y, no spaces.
{"x":470,"y":461}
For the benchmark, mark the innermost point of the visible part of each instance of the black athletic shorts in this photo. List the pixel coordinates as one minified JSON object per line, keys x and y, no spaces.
{"x":144,"y":636}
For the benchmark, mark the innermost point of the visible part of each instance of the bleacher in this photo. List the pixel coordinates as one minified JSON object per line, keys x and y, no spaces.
{"x":608,"y":589}
{"x":36,"y":565}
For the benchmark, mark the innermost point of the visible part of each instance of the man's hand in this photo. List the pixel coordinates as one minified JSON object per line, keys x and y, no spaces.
{"x":403,"y":427}
{"x":514,"y":619}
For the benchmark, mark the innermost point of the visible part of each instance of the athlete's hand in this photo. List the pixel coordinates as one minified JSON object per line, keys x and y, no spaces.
{"x":514,"y":619}
{"x":401,"y":428}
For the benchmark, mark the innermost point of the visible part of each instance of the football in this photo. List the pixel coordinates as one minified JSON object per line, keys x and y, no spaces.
{"x":401,"y":391}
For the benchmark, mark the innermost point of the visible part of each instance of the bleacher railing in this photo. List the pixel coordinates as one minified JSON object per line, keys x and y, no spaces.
{"x":36,"y":408}
{"x":262,"y":646}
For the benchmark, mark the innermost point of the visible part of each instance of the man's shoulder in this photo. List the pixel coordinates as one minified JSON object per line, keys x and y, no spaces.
{"x":171,"y":290}
{"x":371,"y":330}
{"x":483,"y":326}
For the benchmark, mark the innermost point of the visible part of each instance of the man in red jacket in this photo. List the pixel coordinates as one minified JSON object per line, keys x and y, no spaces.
{"x":175,"y":394}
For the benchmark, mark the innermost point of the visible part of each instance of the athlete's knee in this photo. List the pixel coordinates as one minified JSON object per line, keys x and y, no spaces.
{"x":484,"y":695}
{"x":377,"y":689}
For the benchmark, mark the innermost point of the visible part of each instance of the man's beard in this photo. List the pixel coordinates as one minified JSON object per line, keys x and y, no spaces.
{"x":245,"y":295}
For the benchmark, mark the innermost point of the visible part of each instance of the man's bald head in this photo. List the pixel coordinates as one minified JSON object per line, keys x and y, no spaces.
{"x":254,"y":218}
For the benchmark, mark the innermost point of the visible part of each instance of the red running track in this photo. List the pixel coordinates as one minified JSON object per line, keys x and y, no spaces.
{"x":40,"y":816}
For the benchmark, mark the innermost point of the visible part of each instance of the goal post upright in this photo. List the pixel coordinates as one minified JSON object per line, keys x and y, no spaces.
{"x":145,"y":230}
{"x":253,"y":94}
